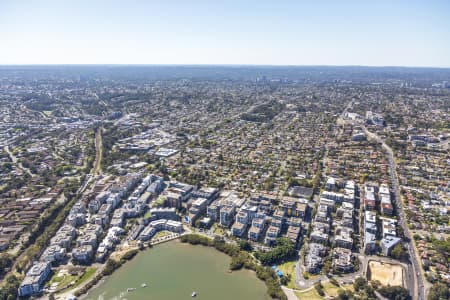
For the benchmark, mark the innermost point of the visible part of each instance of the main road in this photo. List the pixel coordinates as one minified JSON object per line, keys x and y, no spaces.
{"x":418,"y":277}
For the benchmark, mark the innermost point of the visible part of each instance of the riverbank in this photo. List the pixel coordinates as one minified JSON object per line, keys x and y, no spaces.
{"x":173,"y":271}
{"x":241,"y":259}
{"x":110,"y":266}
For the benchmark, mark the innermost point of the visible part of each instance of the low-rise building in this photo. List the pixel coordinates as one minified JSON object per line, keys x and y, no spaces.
{"x":53,"y":253}
{"x":314,"y":257}
{"x":388,"y":227}
{"x":62,"y":240}
{"x":208,"y":193}
{"x":293,"y":233}
{"x":34,"y":279}
{"x":238,"y":229}
{"x":147,"y":233}
{"x":369,"y":242}
{"x":342,"y":260}
{"x":83,"y":254}
{"x":370,"y":222}
{"x":213,"y":211}
{"x":227,"y":215}
{"x":87,"y":239}
{"x":388,"y":243}
{"x":174,"y":226}
{"x":198,"y":208}
{"x":257,"y":227}
{"x":318,"y":236}
{"x":343,"y":238}
{"x":271,"y":235}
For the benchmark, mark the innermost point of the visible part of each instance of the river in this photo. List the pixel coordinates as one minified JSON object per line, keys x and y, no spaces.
{"x":174,"y":270}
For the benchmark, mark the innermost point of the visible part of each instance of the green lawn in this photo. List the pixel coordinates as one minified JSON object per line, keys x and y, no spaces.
{"x":310,"y":276}
{"x":330,"y":289}
{"x":160,"y":201}
{"x":310,"y":294}
{"x":218,"y":230}
{"x":162,"y":234}
{"x":65,"y":281}
{"x":88,"y":273}
{"x":289,"y":268}
{"x":147,"y":215}
{"x":62,"y":281}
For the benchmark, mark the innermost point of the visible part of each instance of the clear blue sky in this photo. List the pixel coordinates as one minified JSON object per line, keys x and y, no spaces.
{"x":277,"y":32}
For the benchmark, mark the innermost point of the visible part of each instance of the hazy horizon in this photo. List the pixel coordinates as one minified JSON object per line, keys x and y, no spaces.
{"x":250,"y":33}
{"x":212,"y":65}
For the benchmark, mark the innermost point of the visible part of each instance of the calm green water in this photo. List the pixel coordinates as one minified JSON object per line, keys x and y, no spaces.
{"x":174,"y":270}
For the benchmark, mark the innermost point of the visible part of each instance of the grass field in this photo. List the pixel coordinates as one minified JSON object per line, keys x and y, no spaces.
{"x":330,"y":290}
{"x":387,"y":274}
{"x":161,"y":234}
{"x":66,"y":280}
{"x":218,"y":230}
{"x":88,"y":273}
{"x":289,"y":268}
{"x":62,"y":280}
{"x":310,"y":294}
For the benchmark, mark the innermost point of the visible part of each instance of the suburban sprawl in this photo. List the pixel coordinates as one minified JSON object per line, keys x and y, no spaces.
{"x":328,"y":182}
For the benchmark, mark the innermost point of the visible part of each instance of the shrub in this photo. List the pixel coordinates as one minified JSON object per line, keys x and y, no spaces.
{"x":319,"y":288}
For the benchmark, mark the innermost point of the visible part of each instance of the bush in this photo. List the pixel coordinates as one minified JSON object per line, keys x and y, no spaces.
{"x":334,"y":282}
{"x":129,"y":255}
{"x":9,"y":288}
{"x":439,"y":291}
{"x":359,"y":283}
{"x":319,"y":288}
{"x":344,"y":294}
{"x":394,"y":292}
{"x":284,"y":249}
{"x":111,"y":266}
{"x":240,"y":259}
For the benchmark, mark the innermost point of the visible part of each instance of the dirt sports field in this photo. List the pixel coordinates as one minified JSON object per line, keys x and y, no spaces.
{"x":386,"y":273}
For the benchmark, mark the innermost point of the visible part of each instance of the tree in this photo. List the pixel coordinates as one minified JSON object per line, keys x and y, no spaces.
{"x":245,"y":245}
{"x":344,"y":294}
{"x":439,"y":291}
{"x":359,"y":283}
{"x":9,"y":289}
{"x":327,"y":266}
{"x":319,"y":288}
{"x":376,"y":284}
{"x":394,"y":292}
{"x":284,"y":249}
{"x":285,"y":279}
{"x":5,"y":262}
{"x":398,"y":252}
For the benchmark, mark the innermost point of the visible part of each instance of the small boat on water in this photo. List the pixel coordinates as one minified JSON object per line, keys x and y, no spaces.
{"x":194,"y":294}
{"x":130,"y":289}
{"x":144,"y":285}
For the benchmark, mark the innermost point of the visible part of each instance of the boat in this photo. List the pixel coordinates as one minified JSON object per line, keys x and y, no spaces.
{"x":130,"y":289}
{"x":194,"y":294}
{"x":144,"y":285}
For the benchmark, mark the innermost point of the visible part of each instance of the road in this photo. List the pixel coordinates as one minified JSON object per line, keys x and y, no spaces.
{"x":418,"y":279}
{"x":290,"y":294}
{"x":96,"y":170}
{"x":17,"y":162}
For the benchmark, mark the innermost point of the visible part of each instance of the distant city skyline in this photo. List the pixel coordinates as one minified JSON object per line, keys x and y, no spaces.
{"x":378,"y":33}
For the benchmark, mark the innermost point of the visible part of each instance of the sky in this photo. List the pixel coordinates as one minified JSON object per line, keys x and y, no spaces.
{"x":250,"y":32}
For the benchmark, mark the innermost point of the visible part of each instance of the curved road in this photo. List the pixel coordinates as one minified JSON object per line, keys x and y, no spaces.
{"x":17,"y":162}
